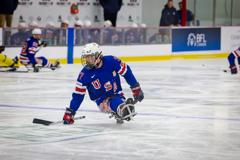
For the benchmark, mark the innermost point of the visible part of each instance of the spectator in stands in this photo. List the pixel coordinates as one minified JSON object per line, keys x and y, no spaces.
{"x":86,"y":37}
{"x":110,"y":9}
{"x":64,"y":24}
{"x":95,"y":35}
{"x":78,"y":24}
{"x":17,"y":39}
{"x":107,"y":23}
{"x":132,"y":35}
{"x":50,"y":33}
{"x":169,"y":15}
{"x":117,"y":37}
{"x":142,"y":32}
{"x":107,"y":32}
{"x":7,"y":8}
{"x":32,"y":25}
{"x":62,"y":33}
{"x":190,"y":16}
{"x":78,"y":32}
{"x":159,"y":37}
{"x":90,"y":34}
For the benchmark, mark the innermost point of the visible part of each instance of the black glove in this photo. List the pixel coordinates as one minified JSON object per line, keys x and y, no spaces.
{"x":69,"y":116}
{"x":43,"y":43}
{"x":2,"y":48}
{"x":137,"y":92}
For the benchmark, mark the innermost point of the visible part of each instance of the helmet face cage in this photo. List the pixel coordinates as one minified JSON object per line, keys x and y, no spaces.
{"x":89,"y":59}
{"x":90,"y":54}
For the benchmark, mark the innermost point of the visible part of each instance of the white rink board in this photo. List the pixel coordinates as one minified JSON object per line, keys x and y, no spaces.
{"x":48,"y":52}
{"x":230,"y":38}
{"x":128,"y":50}
{"x":132,"y":50}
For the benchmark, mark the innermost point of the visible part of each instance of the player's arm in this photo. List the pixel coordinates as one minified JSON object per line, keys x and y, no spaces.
{"x":77,"y":98}
{"x":124,"y":70}
{"x":32,"y":50}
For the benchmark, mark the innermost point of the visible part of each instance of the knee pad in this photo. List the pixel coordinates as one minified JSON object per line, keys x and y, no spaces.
{"x":115,"y":102}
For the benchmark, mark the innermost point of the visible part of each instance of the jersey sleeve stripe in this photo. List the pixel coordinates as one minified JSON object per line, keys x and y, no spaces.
{"x":123,"y":69}
{"x":80,"y":86}
{"x":236,"y":54}
{"x":80,"y":90}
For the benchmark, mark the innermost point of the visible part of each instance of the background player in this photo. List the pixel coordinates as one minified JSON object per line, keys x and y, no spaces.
{"x":29,"y":50}
{"x":8,"y":62}
{"x":100,"y":76}
{"x":231,"y":59}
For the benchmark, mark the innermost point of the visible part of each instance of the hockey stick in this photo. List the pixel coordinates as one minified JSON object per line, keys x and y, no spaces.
{"x":47,"y":123}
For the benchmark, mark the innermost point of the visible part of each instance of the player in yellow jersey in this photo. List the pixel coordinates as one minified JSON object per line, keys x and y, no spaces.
{"x":6,"y":61}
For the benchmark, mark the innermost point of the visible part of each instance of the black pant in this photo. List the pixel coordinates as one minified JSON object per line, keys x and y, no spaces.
{"x":110,"y":16}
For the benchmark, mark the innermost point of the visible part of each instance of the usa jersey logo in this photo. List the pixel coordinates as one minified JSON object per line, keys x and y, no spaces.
{"x":96,"y":84}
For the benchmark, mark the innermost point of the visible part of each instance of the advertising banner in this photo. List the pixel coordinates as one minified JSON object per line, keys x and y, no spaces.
{"x":196,"y":39}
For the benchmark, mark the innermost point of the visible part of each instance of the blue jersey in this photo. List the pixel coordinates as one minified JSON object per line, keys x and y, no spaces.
{"x":102,"y":82}
{"x":232,"y":56}
{"x":29,"y":49}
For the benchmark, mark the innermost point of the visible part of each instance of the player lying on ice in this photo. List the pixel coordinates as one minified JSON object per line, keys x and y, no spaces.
{"x":31,"y":46}
{"x":8,"y":62}
{"x":100,"y":77}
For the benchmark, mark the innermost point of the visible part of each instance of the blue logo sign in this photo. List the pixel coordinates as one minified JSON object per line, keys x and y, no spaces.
{"x":196,"y":39}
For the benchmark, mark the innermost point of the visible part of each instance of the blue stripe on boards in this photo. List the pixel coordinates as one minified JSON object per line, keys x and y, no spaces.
{"x":70,"y":45}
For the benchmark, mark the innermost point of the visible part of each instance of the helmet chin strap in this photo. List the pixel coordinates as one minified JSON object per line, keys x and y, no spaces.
{"x":98,"y":62}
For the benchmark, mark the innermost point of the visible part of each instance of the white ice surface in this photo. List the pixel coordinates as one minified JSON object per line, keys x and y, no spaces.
{"x":191,"y":111}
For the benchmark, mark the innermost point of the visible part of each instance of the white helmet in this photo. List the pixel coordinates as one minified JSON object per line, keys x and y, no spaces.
{"x":107,"y":23}
{"x":33,"y":24}
{"x":78,"y":23}
{"x":36,"y":31}
{"x":87,"y":23}
{"x":90,"y":54}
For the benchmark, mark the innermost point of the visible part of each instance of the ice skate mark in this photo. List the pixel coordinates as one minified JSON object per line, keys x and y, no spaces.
{"x":139,"y":114}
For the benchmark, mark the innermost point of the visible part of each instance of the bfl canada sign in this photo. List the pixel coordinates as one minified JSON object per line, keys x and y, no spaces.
{"x":196,"y":39}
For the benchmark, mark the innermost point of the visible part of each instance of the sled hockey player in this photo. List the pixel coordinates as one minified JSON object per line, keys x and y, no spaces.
{"x":100,"y":77}
{"x":8,"y":62}
{"x":231,"y":59}
{"x":31,"y":46}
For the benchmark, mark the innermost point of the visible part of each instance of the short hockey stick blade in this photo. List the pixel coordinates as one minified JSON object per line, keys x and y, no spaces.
{"x":41,"y":121}
{"x":47,"y":123}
